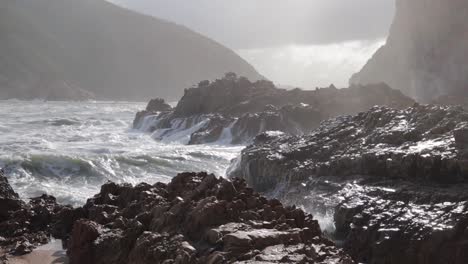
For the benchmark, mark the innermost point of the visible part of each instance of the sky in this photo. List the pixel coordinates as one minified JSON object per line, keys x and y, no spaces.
{"x":302,"y":43}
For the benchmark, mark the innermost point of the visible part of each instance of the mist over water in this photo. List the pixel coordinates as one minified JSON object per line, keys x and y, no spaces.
{"x":69,"y":149}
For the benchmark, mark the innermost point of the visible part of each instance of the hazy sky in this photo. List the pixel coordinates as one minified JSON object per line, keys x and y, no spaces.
{"x":304,"y":43}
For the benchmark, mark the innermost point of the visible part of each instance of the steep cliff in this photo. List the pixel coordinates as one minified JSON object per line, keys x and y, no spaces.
{"x":426,"y":54}
{"x":96,"y":46}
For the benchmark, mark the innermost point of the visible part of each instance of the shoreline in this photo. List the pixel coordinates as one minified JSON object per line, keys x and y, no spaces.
{"x":51,"y":253}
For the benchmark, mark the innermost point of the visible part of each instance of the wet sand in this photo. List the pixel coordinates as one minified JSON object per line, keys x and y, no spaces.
{"x":51,"y":253}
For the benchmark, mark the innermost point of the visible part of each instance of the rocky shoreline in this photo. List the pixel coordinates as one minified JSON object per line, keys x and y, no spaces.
{"x":196,"y":218}
{"x":395,"y":179}
{"x":233,"y":110}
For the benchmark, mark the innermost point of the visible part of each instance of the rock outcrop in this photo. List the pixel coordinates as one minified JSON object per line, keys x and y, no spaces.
{"x":426,"y":54}
{"x":394,"y":179}
{"x":235,"y":110}
{"x":196,"y":218}
{"x":23,"y":226}
{"x":109,"y":51}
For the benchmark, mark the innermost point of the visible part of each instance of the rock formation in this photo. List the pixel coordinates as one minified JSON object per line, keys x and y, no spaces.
{"x":196,"y":218}
{"x":395,"y":179}
{"x":234,"y":110}
{"x":106,"y":50}
{"x":426,"y":53}
{"x":23,"y":226}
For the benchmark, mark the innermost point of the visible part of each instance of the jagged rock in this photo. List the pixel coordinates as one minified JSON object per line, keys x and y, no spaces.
{"x":153,"y":108}
{"x":426,"y":52}
{"x":196,"y":218}
{"x":9,"y":200}
{"x":420,"y":142}
{"x":158,"y":105}
{"x":235,"y":110}
{"x":23,"y":226}
{"x":395,"y":179}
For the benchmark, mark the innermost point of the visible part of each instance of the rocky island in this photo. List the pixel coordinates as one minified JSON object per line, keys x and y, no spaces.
{"x":233,"y":110}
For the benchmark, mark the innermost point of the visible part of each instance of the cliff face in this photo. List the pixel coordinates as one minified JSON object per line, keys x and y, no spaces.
{"x":104,"y":49}
{"x":426,"y":53}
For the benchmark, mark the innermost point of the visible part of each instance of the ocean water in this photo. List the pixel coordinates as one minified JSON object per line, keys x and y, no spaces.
{"x":69,"y":149}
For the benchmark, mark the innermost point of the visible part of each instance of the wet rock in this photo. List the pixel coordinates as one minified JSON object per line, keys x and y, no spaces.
{"x":9,"y":200}
{"x":234,"y":110}
{"x":154,"y":107}
{"x":83,"y":236}
{"x":393,"y":180}
{"x":158,"y":105}
{"x":403,"y":222}
{"x":421,"y":142}
{"x":196,"y":218}
{"x":23,"y":226}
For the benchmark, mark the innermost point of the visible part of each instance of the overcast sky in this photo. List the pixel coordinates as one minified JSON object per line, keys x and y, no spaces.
{"x":304,"y":43}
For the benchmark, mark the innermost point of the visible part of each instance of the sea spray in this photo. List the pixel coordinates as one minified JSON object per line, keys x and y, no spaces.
{"x":69,"y":149}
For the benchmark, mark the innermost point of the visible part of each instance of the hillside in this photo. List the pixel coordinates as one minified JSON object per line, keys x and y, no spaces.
{"x":94,"y":46}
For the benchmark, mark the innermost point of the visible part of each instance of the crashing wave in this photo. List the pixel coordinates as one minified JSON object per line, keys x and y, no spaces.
{"x":234,"y":110}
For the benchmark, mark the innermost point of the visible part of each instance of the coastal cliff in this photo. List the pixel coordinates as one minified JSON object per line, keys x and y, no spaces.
{"x":426,"y":53}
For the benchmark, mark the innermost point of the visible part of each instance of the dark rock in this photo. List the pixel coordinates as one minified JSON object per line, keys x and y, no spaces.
{"x":84,"y":234}
{"x":158,"y":105}
{"x":23,"y":226}
{"x":394,"y":180}
{"x":154,"y":107}
{"x":9,"y":200}
{"x":234,"y":110}
{"x":196,"y":218}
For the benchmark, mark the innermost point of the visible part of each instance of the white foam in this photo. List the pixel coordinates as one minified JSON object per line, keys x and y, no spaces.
{"x":71,"y":162}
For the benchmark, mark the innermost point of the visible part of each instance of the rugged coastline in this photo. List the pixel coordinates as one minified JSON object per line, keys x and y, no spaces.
{"x":395,"y":180}
{"x":196,"y":218}
{"x":233,"y":110}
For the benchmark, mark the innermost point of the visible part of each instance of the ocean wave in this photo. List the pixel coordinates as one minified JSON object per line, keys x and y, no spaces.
{"x":70,"y":149}
{"x":63,"y":122}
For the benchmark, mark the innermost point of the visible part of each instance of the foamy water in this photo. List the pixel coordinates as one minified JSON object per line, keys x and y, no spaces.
{"x":69,"y":149}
